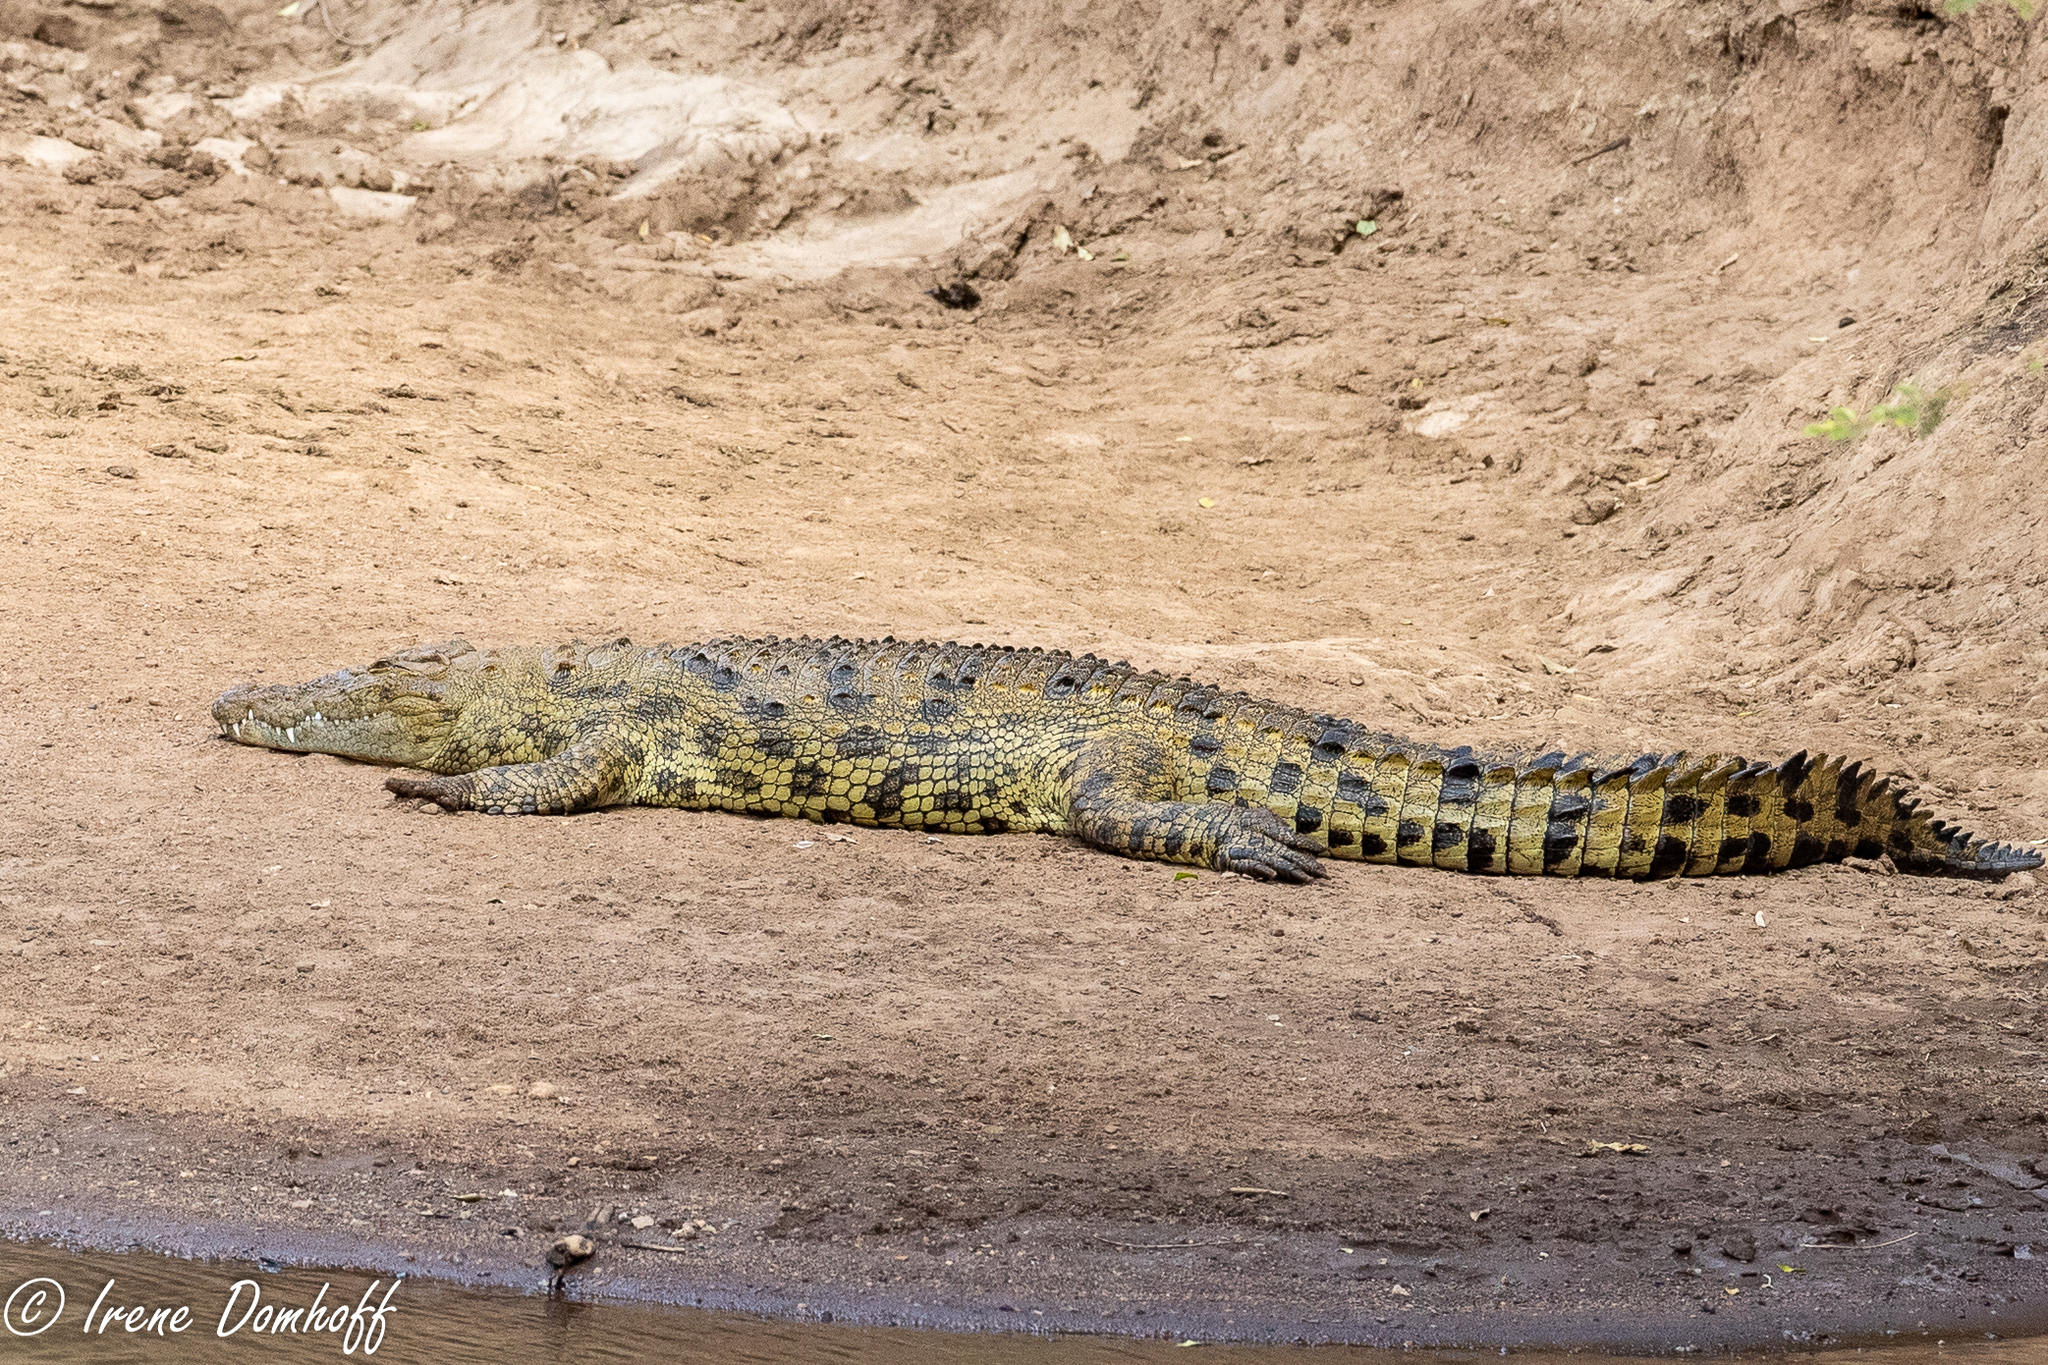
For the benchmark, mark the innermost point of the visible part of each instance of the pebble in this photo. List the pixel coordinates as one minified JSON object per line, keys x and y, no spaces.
{"x":1595,"y":509}
{"x":121,"y":471}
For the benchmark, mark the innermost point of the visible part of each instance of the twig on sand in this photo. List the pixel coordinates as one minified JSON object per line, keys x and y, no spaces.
{"x":1156,"y":1246}
{"x":1613,"y":146}
{"x":1869,"y":1246}
{"x":654,"y":1246}
{"x":1254,"y":1189}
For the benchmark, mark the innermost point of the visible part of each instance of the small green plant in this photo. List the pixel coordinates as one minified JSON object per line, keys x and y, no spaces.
{"x":1912,"y":410}
{"x":2025,"y":9}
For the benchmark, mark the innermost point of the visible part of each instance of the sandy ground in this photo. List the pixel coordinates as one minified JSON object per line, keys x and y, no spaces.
{"x":1447,"y":479}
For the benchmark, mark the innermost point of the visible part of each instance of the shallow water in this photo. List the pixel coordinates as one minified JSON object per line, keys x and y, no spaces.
{"x":64,"y":1307}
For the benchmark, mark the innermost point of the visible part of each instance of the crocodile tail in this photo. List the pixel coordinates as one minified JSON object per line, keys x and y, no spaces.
{"x":1660,"y":816}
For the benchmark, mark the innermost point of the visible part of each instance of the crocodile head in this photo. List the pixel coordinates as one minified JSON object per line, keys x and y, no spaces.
{"x":401,"y":709}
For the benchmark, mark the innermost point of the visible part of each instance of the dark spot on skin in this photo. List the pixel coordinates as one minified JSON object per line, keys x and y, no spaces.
{"x":1307,"y":820}
{"x":1682,"y":810}
{"x":1800,"y":809}
{"x":1559,"y":845}
{"x":710,"y":738}
{"x":1869,"y":848}
{"x":1351,"y":787}
{"x":1568,"y":807}
{"x":1632,"y":841}
{"x":1838,"y":849}
{"x":1806,"y":849}
{"x":1369,"y":845}
{"x":862,"y":741}
{"x":1176,"y":844}
{"x":1447,"y":837}
{"x":1732,"y":849}
{"x":1286,"y":779}
{"x":992,"y":825}
{"x":724,"y":679}
{"x":1742,"y":805}
{"x":1759,"y":859}
{"x":885,"y":796}
{"x":936,"y":709}
{"x":1330,"y":744}
{"x":1205,"y":744}
{"x":1220,"y":781}
{"x":1669,"y":858}
{"x":1408,"y":834}
{"x":1374,"y":805}
{"x":1792,"y":772}
{"x":1480,"y":850}
{"x":1846,"y":810}
{"x":778,"y":745}
{"x":842,"y":700}
{"x":1461,"y":785}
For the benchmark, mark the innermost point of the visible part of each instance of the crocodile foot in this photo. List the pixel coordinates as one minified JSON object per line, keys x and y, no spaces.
{"x":1260,"y":844}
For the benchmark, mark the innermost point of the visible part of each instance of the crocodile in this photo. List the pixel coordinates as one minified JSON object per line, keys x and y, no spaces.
{"x":971,"y":739}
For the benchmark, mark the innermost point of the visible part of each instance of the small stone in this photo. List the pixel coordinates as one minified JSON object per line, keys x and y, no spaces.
{"x":1740,"y":1246}
{"x":304,"y":968}
{"x":1593,"y":510}
{"x":166,"y":451}
{"x":121,"y":471}
{"x":643,"y":1222}
{"x":541,"y":1090}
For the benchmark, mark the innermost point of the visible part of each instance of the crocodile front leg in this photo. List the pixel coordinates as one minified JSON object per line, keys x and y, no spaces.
{"x":585,"y":776}
{"x":1247,"y":839}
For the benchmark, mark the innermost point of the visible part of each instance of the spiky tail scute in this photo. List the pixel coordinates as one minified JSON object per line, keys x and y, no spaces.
{"x":1661,"y":816}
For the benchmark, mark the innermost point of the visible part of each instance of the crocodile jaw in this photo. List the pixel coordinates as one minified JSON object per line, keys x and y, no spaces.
{"x":354,"y":714}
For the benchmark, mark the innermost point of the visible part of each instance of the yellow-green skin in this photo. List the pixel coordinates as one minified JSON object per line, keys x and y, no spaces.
{"x":971,"y":739}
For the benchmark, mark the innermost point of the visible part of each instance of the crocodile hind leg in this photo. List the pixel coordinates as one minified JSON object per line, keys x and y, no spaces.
{"x":581,"y":778}
{"x":1247,"y":839}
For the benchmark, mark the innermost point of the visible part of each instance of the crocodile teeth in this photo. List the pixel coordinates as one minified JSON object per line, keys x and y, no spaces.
{"x":291,"y":734}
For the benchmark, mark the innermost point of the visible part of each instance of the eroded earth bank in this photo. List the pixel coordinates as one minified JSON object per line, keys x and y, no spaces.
{"x":1443,"y":366}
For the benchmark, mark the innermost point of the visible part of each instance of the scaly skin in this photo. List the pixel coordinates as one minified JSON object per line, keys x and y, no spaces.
{"x":972,"y":739}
